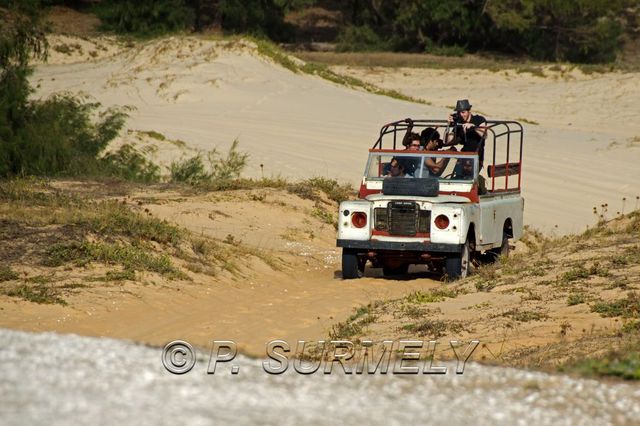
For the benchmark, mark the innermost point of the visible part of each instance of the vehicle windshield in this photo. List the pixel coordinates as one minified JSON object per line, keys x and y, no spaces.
{"x":454,"y":167}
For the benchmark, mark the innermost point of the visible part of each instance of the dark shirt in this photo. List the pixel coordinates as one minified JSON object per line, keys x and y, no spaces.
{"x":411,"y":164}
{"x":471,"y":141}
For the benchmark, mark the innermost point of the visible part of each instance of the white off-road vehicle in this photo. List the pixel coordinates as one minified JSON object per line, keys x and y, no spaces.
{"x":468,"y":212}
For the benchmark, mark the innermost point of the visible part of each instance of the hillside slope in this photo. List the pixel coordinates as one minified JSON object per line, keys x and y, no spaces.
{"x":554,"y":301}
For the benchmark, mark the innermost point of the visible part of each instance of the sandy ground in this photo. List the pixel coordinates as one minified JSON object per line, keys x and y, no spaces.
{"x":583,"y":153}
{"x":208,"y":93}
{"x":300,"y":300}
{"x":525,"y":320}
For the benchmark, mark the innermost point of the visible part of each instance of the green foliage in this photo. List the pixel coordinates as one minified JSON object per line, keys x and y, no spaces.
{"x":40,"y":293}
{"x":128,"y":164}
{"x":309,"y":189}
{"x":525,"y":316}
{"x":190,"y":170}
{"x":433,"y":328}
{"x":58,"y":136}
{"x":7,"y":274}
{"x":130,"y":257}
{"x":628,"y":307}
{"x":112,"y":219}
{"x":62,"y":135}
{"x":21,"y":34}
{"x":258,"y":17}
{"x":615,"y":364}
{"x":578,"y":31}
{"x":453,"y":50}
{"x":39,"y":204}
{"x":432,"y":296}
{"x":145,"y":18}
{"x":194,"y":171}
{"x":356,"y":323}
{"x":21,"y":39}
{"x":576,"y":299}
{"x":360,"y":38}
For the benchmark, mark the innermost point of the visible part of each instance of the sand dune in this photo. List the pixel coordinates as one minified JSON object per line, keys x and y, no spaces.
{"x":582,"y":146}
{"x":208,"y":93}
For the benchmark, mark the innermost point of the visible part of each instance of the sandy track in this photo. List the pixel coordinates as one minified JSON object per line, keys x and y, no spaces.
{"x":295,"y":306}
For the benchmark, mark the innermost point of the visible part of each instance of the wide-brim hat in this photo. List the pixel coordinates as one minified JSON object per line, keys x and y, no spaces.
{"x":463,"y":105}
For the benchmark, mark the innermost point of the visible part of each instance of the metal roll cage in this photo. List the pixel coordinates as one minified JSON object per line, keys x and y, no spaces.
{"x":498,"y":132}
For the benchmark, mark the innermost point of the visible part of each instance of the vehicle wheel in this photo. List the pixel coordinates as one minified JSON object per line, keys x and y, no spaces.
{"x":503,"y":250}
{"x":398,"y":270}
{"x":457,"y":266}
{"x":352,"y":264}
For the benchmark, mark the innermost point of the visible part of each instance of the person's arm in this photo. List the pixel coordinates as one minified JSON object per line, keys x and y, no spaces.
{"x":449,"y":139}
{"x":480,"y":129}
{"x":482,"y":185}
{"x":436,"y":167}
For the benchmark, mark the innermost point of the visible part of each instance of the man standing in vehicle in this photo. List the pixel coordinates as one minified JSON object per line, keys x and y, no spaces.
{"x":469,"y":129}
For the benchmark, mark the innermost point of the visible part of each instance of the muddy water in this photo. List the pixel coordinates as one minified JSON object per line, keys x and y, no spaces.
{"x":64,"y":379}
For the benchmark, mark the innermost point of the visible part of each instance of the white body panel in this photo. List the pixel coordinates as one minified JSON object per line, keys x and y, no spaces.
{"x":489,"y":217}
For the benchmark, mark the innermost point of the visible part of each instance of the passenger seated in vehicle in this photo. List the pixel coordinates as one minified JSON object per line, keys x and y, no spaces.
{"x":466,"y":173}
{"x":412,"y":164}
{"x":396,"y":169}
{"x":432,"y":142}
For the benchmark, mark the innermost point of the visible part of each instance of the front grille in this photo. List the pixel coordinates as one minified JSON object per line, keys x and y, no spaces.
{"x":424,"y":221}
{"x":403,"y":218}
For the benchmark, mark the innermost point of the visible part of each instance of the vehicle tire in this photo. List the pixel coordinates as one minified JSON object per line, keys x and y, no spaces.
{"x":457,"y":266}
{"x":398,"y":270}
{"x":503,"y":250}
{"x":352,"y":264}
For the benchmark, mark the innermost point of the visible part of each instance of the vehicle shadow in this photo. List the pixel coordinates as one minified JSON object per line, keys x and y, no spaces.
{"x":415,"y":272}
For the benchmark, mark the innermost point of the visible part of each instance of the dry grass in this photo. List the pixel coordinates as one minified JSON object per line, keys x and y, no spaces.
{"x":489,"y":62}
{"x":553,"y":290}
{"x":66,"y":235}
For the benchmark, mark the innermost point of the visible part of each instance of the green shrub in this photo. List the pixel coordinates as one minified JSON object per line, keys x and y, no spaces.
{"x":623,"y":365}
{"x":7,"y":274}
{"x":453,"y":50}
{"x":628,"y":308}
{"x":432,"y":296}
{"x":145,"y":18}
{"x":128,"y":164}
{"x":62,"y":135}
{"x":360,"y":38}
{"x":433,"y":328}
{"x":308,"y":189}
{"x":130,"y":257}
{"x":190,"y":170}
{"x":576,"y":299}
{"x":258,"y":17}
{"x":219,"y":169}
{"x":36,"y":293}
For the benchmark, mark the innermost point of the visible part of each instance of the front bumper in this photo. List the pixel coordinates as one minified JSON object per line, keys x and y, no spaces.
{"x":400,"y":246}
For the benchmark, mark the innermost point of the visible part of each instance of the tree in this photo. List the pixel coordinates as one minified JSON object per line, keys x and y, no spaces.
{"x":21,"y":39}
{"x":578,"y":31}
